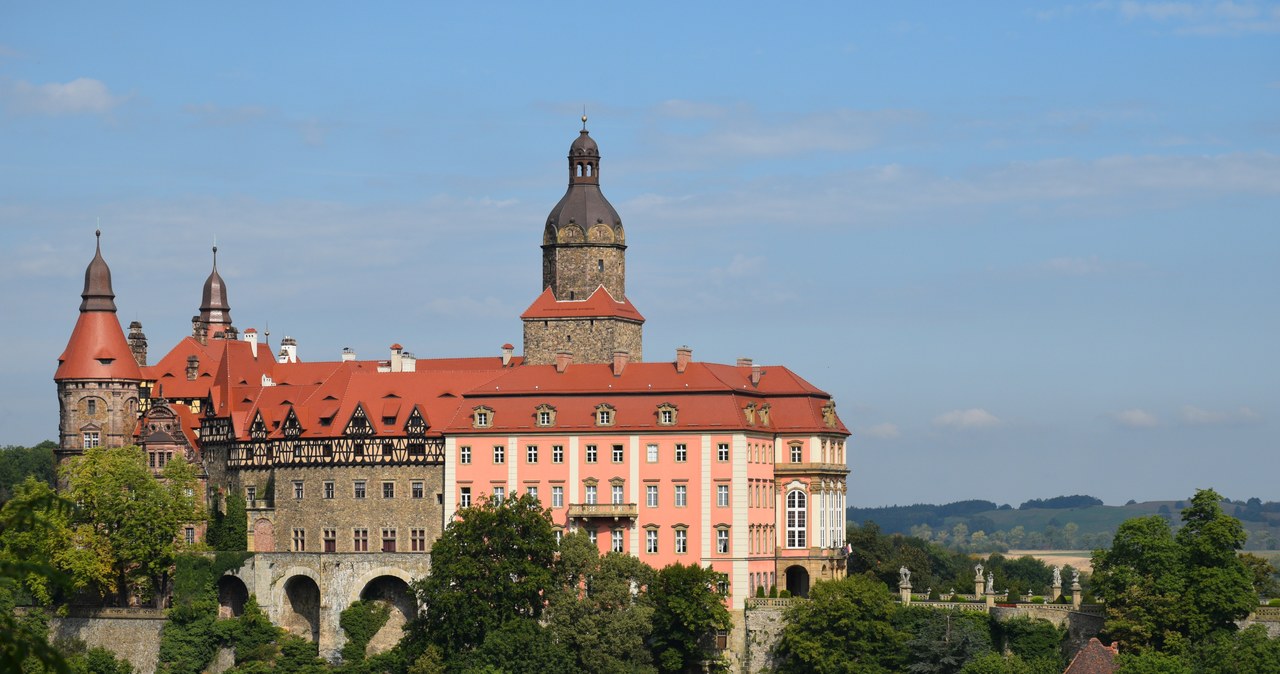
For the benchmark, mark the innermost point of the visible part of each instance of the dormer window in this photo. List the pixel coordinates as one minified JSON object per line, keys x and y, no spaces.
{"x":545,"y":415}
{"x":666,"y":414}
{"x":604,"y":415}
{"x":482,"y":417}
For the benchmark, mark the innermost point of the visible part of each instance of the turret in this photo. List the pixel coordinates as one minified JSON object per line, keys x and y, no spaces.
{"x":215,"y":312}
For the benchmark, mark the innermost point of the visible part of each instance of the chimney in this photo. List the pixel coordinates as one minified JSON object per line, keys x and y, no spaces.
{"x":563,"y":360}
{"x":744,"y":362}
{"x":251,"y":336}
{"x":348,"y":354}
{"x":288,"y":350}
{"x":138,"y":343}
{"x":231,"y":333}
{"x":397,"y":364}
{"x":620,"y":359}
{"x":507,"y":350}
{"x":683,"y":355}
{"x":409,"y":362}
{"x":193,"y":367}
{"x":755,"y":375}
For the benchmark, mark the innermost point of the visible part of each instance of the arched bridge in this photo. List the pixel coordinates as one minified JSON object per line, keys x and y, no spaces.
{"x":306,"y":592}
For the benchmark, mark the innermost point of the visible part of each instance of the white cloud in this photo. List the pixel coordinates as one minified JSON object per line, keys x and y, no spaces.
{"x":967,"y":419}
{"x":884,"y":431}
{"x":1221,"y":17}
{"x":1200,"y":417}
{"x":1135,"y":418}
{"x":79,"y":96}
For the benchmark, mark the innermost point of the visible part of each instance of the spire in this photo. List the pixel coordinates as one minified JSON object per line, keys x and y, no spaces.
{"x":214,"y":309}
{"x":97,"y":294}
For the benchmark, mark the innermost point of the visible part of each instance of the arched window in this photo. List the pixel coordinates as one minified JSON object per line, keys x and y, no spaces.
{"x":797,"y":507}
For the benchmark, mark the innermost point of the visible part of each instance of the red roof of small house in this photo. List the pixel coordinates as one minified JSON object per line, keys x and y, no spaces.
{"x":97,"y":350}
{"x":1094,"y":658}
{"x":601,"y":304}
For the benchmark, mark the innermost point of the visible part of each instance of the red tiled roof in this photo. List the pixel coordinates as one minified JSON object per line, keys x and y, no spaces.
{"x":97,"y":350}
{"x":1094,"y":658}
{"x":601,"y":304}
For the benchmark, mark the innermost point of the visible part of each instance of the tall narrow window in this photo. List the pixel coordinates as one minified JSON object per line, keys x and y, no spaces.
{"x":682,"y":495}
{"x":464,"y":454}
{"x":722,"y":495}
{"x":797,"y":454}
{"x":416,"y":490}
{"x":92,"y":406}
{"x":796,"y":518}
{"x":592,"y":453}
{"x":531,"y":454}
{"x":557,"y":453}
{"x":682,"y":541}
{"x":359,"y":489}
{"x":330,"y":540}
{"x":651,"y":495}
{"x":328,"y":488}
{"x":557,"y":497}
{"x":651,"y":453}
{"x":499,"y":493}
{"x":360,"y":540}
{"x":682,"y":453}
{"x":500,"y":454}
{"x":722,"y":541}
{"x":616,"y":536}
{"x":722,"y":452}
{"x":591,"y":494}
{"x":651,"y":541}
{"x":297,"y":489}
{"x":617,"y":494}
{"x":388,"y":540}
{"x":418,"y":540}
{"x":619,"y":454}
{"x":388,"y":490}
{"x":464,"y":498}
{"x":299,"y":540}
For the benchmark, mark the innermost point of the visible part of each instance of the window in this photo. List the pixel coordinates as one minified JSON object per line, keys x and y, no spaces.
{"x":483,"y":417}
{"x":666,"y":417}
{"x":297,"y":489}
{"x":559,"y":536}
{"x":499,"y":454}
{"x":464,"y":499}
{"x":682,"y":493}
{"x":189,"y":535}
{"x":92,"y":406}
{"x":796,"y":511}
{"x":722,"y":452}
{"x":682,"y":453}
{"x":651,"y":541}
{"x":557,"y":453}
{"x":616,"y":536}
{"x":616,"y":494}
{"x":722,"y":495}
{"x":388,"y":490}
{"x":91,"y":439}
{"x":682,"y":541}
{"x":531,"y":454}
{"x":299,"y":540}
{"x":330,"y":540}
{"x":360,"y":540}
{"x":251,"y":493}
{"x":416,"y":490}
{"x":557,"y":497}
{"x":592,"y":453}
{"x":328,"y":488}
{"x":604,"y":416}
{"x":544,"y":417}
{"x":651,"y":453}
{"x":722,"y":541}
{"x":651,"y":495}
{"x":591,"y":494}
{"x":418,"y":540}
{"x":499,"y":493}
{"x":618,"y":454}
{"x":591,"y":534}
{"x":464,"y":454}
{"x":797,"y":454}
{"x":532,"y":491}
{"x":359,"y":489}
{"x":388,"y":540}
{"x":599,"y":263}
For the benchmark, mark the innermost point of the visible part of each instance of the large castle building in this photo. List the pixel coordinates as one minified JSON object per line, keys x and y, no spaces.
{"x":738,"y":466}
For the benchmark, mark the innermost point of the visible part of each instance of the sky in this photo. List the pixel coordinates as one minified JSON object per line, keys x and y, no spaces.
{"x":1030,"y":248}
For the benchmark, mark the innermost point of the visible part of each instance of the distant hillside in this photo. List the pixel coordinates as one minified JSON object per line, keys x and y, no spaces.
{"x":1059,"y":523}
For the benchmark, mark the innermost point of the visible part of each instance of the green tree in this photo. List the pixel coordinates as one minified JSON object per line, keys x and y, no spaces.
{"x":520,"y":645}
{"x":229,"y":530}
{"x":844,"y":627}
{"x":1151,"y":662}
{"x":688,"y":608}
{"x":1141,"y":580}
{"x":18,"y":463}
{"x":943,"y":641}
{"x":1248,"y":651}
{"x":51,"y":535}
{"x":1219,"y":589}
{"x":492,"y":564}
{"x":132,"y":515}
{"x":1263,"y":575}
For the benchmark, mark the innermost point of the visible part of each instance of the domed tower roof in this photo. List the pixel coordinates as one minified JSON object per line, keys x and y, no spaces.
{"x":97,"y":295}
{"x":213,"y":302}
{"x":583,"y":205}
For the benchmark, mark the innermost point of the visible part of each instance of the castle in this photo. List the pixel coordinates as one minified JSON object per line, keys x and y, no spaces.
{"x":738,"y":466}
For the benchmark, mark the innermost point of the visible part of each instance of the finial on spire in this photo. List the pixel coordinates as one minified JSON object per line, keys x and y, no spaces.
{"x":584,"y":118}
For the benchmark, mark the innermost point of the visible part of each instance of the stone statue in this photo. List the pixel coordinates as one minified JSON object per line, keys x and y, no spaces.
{"x":904,"y":575}
{"x":991,"y":583}
{"x":1075,"y":577}
{"x":1057,"y":577}
{"x":977,"y":571}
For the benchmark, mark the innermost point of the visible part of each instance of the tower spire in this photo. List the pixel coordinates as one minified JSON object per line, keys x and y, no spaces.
{"x":97,"y":295}
{"x":215,"y":311}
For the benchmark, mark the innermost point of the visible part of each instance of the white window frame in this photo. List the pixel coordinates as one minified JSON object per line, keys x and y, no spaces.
{"x":557,"y":496}
{"x":651,"y":496}
{"x":682,"y":496}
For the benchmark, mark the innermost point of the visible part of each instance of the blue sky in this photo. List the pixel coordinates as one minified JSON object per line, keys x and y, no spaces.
{"x":1030,"y":248}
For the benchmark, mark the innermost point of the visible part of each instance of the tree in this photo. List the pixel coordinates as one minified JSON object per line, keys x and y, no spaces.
{"x":945,"y":640}
{"x":1219,"y":589}
{"x":25,"y":640}
{"x":51,"y":535}
{"x":229,"y":530}
{"x":1263,"y":575}
{"x":844,"y":627}
{"x":492,"y":564}
{"x":688,"y":608}
{"x":133,"y":516}
{"x":18,"y":463}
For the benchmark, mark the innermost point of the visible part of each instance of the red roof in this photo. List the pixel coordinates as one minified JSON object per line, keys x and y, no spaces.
{"x":97,"y":350}
{"x":1094,"y":658}
{"x":600,"y":305}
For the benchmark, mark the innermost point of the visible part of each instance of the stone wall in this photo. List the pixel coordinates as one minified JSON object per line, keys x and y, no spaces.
{"x":591,"y":340}
{"x":133,"y":634}
{"x":763,"y":622}
{"x":115,"y":406}
{"x":574,"y":272}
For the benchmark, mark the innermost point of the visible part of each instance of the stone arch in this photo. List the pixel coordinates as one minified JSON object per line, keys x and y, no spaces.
{"x":600,"y":234}
{"x":390,"y":586}
{"x":264,"y":538}
{"x":232,"y":595}
{"x":298,"y":598}
{"x":798,"y":581}
{"x":572,"y":233}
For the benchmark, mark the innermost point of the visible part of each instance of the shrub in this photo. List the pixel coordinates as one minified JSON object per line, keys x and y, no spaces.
{"x":760,"y":591}
{"x":784,"y":594}
{"x":361,"y":620}
{"x":1274,"y":602}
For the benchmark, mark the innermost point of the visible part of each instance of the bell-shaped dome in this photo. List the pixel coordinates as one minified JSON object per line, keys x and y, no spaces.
{"x":213,"y":301}
{"x":97,"y":295}
{"x":583,"y":214}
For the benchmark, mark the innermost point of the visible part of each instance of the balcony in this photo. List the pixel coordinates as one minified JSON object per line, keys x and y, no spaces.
{"x":616,"y":511}
{"x":827,"y":469}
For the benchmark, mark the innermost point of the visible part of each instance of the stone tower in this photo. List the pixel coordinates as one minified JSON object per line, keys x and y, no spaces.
{"x":215,"y":312}
{"x":583,"y":309}
{"x":97,"y":375}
